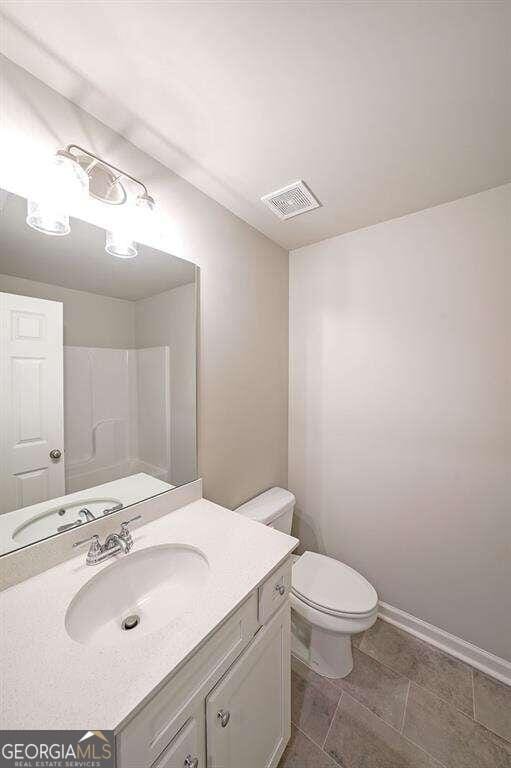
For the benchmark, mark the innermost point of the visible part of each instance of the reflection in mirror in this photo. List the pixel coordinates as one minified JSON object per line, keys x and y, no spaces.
{"x":97,"y":377}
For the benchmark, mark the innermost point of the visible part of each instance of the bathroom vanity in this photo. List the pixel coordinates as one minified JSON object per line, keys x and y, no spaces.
{"x":231,"y":701}
{"x":203,"y":679}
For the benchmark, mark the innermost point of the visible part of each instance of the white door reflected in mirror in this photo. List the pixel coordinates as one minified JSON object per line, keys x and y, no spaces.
{"x":31,"y":344}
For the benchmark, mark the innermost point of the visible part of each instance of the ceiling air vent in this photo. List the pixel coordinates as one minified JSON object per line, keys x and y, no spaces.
{"x":292,"y":200}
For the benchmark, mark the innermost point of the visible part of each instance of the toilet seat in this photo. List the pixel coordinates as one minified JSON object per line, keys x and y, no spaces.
{"x":338,"y":624}
{"x":331,"y":587}
{"x":329,"y":611}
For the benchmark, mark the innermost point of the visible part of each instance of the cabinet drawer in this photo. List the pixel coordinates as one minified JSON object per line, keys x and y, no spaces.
{"x":185,"y":750}
{"x":150,"y":731}
{"x":274,"y":592}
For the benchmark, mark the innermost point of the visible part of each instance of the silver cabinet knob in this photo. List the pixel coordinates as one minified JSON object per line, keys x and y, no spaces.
{"x":191,"y":762}
{"x":280,"y":588}
{"x":55,"y":454}
{"x":224,"y":716}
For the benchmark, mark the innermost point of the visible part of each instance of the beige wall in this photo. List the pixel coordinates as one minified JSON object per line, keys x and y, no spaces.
{"x":244,"y":288}
{"x":400,"y":410}
{"x":169,"y":319}
{"x":90,"y":320}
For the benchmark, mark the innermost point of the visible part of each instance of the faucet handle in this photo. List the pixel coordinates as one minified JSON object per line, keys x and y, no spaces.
{"x":95,"y":549}
{"x":94,"y":539}
{"x":126,"y":533}
{"x":124,"y":525}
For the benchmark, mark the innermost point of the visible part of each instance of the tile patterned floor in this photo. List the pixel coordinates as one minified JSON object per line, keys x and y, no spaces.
{"x":405,"y":705}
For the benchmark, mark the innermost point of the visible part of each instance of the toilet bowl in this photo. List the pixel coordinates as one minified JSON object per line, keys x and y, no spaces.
{"x":330,"y":600}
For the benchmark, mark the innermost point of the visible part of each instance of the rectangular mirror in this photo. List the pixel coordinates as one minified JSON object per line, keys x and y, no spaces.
{"x":97,"y":377}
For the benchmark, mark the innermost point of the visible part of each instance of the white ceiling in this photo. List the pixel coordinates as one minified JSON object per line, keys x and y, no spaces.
{"x":79,"y":260}
{"x":382,"y":107}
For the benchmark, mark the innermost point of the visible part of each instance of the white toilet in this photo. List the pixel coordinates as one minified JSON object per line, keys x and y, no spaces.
{"x":330,"y":600}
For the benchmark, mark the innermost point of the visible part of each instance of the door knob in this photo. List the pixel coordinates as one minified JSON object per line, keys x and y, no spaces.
{"x":224,"y":716}
{"x":280,"y":588}
{"x":191,"y":762}
{"x":55,"y":454}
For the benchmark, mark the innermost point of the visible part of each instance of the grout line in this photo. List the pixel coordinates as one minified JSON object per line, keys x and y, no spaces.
{"x":425,"y":688}
{"x":314,"y":742}
{"x":331,"y":721}
{"x":494,"y":733}
{"x":444,"y":701}
{"x":375,"y":715}
{"x":402,"y":735}
{"x":383,"y":664}
{"x":406,"y":704}
{"x":461,"y":712}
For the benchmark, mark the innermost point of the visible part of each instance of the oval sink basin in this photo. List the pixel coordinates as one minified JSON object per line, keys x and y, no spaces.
{"x":47,"y":523}
{"x":138,"y":594}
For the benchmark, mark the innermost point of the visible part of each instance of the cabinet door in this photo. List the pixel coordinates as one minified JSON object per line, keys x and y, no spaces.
{"x":186,"y":750}
{"x":248,"y":711}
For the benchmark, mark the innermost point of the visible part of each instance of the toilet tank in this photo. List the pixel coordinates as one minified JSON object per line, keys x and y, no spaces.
{"x":274,"y":508}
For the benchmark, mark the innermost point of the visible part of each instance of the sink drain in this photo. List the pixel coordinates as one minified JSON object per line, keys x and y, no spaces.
{"x":130,"y":622}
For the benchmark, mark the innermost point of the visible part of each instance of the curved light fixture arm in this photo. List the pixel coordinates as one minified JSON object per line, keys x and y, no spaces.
{"x":98,"y":159}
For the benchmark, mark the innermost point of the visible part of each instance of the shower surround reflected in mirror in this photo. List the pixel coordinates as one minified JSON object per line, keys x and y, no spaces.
{"x":97,"y":377}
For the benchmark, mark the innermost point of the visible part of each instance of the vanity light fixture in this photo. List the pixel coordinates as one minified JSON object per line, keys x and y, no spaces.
{"x":77,"y":173}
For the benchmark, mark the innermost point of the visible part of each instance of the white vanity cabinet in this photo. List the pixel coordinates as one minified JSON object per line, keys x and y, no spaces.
{"x":229,"y":705}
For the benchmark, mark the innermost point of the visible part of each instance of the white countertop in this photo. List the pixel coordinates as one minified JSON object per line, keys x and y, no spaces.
{"x":49,"y":681}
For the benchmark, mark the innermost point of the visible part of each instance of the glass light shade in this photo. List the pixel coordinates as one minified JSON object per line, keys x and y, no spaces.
{"x":63,"y":185}
{"x":127,"y":220}
{"x":47,"y":218}
{"x":120,"y":244}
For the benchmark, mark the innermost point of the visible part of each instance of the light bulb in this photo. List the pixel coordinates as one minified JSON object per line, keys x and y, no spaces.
{"x":120,"y":237}
{"x":127,"y":221}
{"x":63,"y":185}
{"x":47,"y":218}
{"x":119,"y":243}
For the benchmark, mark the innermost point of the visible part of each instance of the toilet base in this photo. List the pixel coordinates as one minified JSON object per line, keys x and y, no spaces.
{"x":331,"y":655}
{"x":327,"y":653}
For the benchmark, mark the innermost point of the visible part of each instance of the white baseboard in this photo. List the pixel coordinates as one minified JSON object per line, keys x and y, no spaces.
{"x":487,"y":662}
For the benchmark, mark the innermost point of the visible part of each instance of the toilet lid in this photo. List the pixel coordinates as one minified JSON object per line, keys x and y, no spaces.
{"x":332,"y":585}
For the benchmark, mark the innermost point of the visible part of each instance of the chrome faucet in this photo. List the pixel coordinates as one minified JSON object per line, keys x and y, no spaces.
{"x":114,"y":544}
{"x":84,"y":516}
{"x":117,"y":540}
